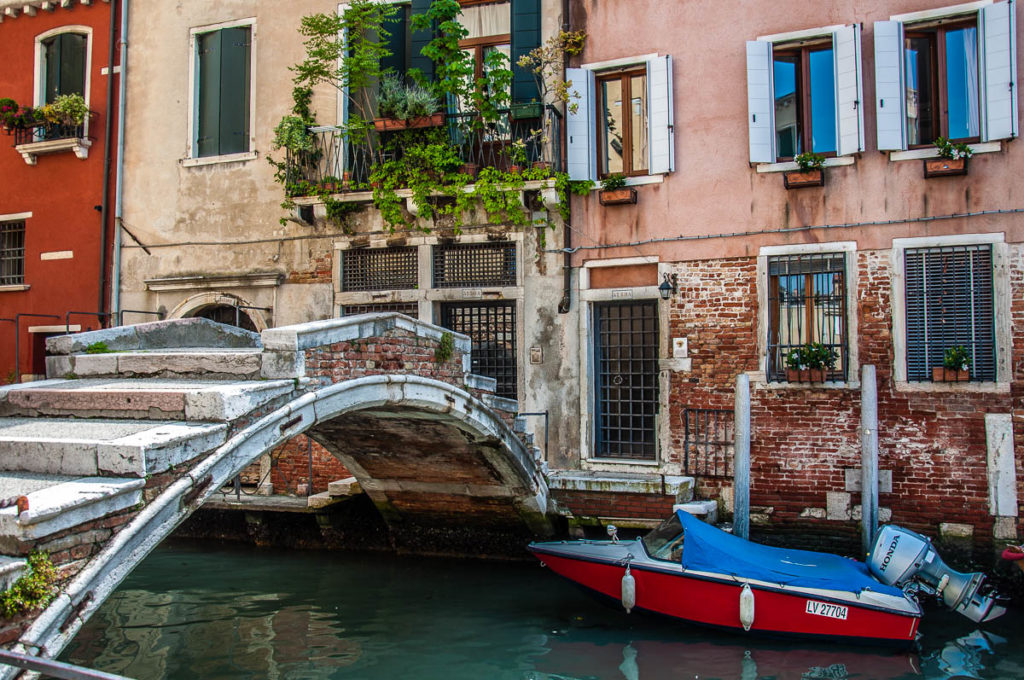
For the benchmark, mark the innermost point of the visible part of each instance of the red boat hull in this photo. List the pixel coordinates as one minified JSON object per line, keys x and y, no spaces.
{"x":714,"y":602}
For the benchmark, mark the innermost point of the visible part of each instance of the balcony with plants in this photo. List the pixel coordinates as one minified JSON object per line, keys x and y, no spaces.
{"x":419,"y":147}
{"x":50,"y":128}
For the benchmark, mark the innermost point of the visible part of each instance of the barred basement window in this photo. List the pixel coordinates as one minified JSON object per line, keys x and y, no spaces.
{"x":950,"y":302}
{"x":12,"y":253}
{"x":407,"y":308}
{"x":492,"y":328}
{"x":379,"y":269}
{"x":462,"y":265}
{"x":807,"y":304}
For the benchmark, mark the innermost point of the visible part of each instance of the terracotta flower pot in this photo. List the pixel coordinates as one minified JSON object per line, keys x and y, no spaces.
{"x":805,"y":375}
{"x":799,"y":179}
{"x":623,"y":196}
{"x":943,"y":374}
{"x":945,"y":167}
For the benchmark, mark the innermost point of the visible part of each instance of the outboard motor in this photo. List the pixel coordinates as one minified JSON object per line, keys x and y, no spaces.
{"x":901,"y":556}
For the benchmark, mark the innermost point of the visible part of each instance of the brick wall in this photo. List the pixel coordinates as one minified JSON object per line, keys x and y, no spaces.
{"x":607,"y":504}
{"x":803,"y":440}
{"x":290,"y":467}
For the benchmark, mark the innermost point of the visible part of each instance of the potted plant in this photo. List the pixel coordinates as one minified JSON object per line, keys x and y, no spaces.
{"x":810,"y":174}
{"x":402,"y":107}
{"x":69,"y":110}
{"x":810,"y":363}
{"x":8,"y":114}
{"x":952,"y":159}
{"x":547,"y":65}
{"x":956,"y":366}
{"x":615,"y":192}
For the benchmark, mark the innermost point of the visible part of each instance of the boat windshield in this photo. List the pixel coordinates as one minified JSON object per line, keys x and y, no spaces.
{"x":666,"y":542}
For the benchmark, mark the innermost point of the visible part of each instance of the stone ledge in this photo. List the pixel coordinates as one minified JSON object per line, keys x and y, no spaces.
{"x":170,"y":334}
{"x":67,"y":504}
{"x":329,"y":331}
{"x":620,"y":482}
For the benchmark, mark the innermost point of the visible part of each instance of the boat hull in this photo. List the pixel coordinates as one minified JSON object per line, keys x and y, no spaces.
{"x":715,"y":600}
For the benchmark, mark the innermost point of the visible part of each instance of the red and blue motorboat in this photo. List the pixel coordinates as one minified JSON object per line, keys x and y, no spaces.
{"x":687,"y":569}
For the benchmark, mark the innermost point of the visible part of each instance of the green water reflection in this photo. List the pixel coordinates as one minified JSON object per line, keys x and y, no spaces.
{"x":197,"y":610}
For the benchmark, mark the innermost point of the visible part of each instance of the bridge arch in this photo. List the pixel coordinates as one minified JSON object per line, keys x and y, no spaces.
{"x":511,"y":463}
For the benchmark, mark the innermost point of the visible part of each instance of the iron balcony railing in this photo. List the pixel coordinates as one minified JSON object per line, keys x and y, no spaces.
{"x":48,"y":132}
{"x":340,"y":162}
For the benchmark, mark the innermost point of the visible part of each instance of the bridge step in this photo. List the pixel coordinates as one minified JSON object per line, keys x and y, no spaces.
{"x":141,"y":399}
{"x":59,"y":502}
{"x":209,"y":363}
{"x":92,"y":447}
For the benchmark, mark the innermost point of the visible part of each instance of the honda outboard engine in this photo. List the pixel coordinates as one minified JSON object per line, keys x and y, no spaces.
{"x":901,"y":556}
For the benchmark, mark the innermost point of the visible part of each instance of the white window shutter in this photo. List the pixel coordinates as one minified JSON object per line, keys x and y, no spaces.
{"x":890,"y":104}
{"x":849,"y":90}
{"x":580,"y":125}
{"x":660,"y":115}
{"x":998,"y":71}
{"x":760,"y":102}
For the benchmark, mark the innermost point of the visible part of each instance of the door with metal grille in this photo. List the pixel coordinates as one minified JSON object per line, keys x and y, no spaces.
{"x":492,"y":328}
{"x":626,"y":379}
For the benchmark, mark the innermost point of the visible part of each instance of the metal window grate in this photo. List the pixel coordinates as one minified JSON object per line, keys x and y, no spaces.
{"x":949,"y":301}
{"x":709,"y":444}
{"x":379,"y":269}
{"x":626,"y":351}
{"x":807,"y":304}
{"x":460,"y":265}
{"x":12,"y":253}
{"x":492,"y":328}
{"x":407,"y":308}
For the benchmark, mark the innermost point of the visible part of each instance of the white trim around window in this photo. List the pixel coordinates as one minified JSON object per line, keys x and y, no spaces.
{"x":193,"y":158}
{"x":1001,"y":311}
{"x":39,"y":83}
{"x":849,"y":249}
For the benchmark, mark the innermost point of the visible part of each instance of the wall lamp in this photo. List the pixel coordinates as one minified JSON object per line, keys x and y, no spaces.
{"x":669,"y":286}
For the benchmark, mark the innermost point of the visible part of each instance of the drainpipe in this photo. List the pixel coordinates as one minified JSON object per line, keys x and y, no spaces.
{"x":564,"y":305}
{"x":115,"y":278}
{"x":108,"y":133}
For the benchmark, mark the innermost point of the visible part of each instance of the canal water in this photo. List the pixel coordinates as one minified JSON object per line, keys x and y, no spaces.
{"x":204,"y":611}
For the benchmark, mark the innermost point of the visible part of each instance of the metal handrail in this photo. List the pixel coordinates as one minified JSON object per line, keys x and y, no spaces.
{"x":121,"y":313}
{"x":55,"y":669}
{"x":538,"y":413}
{"x":98,"y":315}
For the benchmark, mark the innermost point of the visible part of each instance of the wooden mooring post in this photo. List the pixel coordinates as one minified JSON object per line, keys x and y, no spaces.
{"x":868,"y":458}
{"x":741,"y":464}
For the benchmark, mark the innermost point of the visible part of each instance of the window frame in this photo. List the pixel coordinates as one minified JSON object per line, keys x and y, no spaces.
{"x":39,"y":80}
{"x":11,"y":222}
{"x":624,"y":76}
{"x":192,"y":157}
{"x":1001,"y":299}
{"x":802,"y":51}
{"x":851,"y":278}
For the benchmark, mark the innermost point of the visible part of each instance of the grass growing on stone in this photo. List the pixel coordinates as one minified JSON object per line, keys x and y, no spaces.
{"x":34,"y":590}
{"x":98,"y":348}
{"x":445,"y":348}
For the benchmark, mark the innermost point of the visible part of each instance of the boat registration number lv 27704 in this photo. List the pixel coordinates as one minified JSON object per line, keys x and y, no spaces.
{"x":833,"y":611}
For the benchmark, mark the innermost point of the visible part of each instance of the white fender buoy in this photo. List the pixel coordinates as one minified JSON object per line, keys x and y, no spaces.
{"x":747,"y":606}
{"x":628,"y":590}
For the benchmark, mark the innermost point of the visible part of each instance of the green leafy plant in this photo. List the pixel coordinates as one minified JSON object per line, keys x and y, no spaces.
{"x":808,"y":160}
{"x":546,"y":64}
{"x":948,"y":149}
{"x":404,"y":102}
{"x":453,"y":66}
{"x":34,"y":590}
{"x":615,"y":181}
{"x":445,"y":348}
{"x":956,"y":359}
{"x":564,"y":187}
{"x":813,"y":355}
{"x":70,"y":109}
{"x":99,"y":347}
{"x":8,"y":112}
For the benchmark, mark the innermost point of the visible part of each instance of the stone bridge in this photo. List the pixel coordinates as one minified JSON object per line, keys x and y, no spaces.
{"x":137,"y":426}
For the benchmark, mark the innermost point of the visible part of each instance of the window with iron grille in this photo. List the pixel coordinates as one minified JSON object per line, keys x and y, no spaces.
{"x":626,"y":379}
{"x":949,"y":301}
{"x":461,"y":265}
{"x":709,"y":444}
{"x":12,"y":253}
{"x":492,"y":328}
{"x":379,"y":269}
{"x":807,"y":304}
{"x":407,"y":308}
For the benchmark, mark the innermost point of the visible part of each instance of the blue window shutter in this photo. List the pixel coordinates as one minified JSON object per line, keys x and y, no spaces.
{"x":849,"y":90}
{"x":890,"y":95}
{"x":207,"y":128}
{"x":525,"y":37}
{"x":760,"y":102}
{"x":580,"y":125}
{"x":418,"y":40}
{"x":998,"y":71}
{"x":234,"y":90}
{"x":660,"y":115}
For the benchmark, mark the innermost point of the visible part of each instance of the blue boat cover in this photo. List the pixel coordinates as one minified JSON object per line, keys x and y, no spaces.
{"x":707,"y":548}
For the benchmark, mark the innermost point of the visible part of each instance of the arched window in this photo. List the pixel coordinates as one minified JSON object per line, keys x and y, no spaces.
{"x":62,"y":65}
{"x":228,"y":315}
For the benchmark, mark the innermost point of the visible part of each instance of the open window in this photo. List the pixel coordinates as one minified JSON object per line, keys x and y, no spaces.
{"x":804,"y":93}
{"x":947,"y":73}
{"x":620,"y":119}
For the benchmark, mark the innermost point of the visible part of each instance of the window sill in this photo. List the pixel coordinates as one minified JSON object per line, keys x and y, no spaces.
{"x":922,"y":154}
{"x":213,"y":160}
{"x":974,"y":386}
{"x":790,"y":166}
{"x":30,"y":151}
{"x":827,"y":385}
{"x":16,"y":288}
